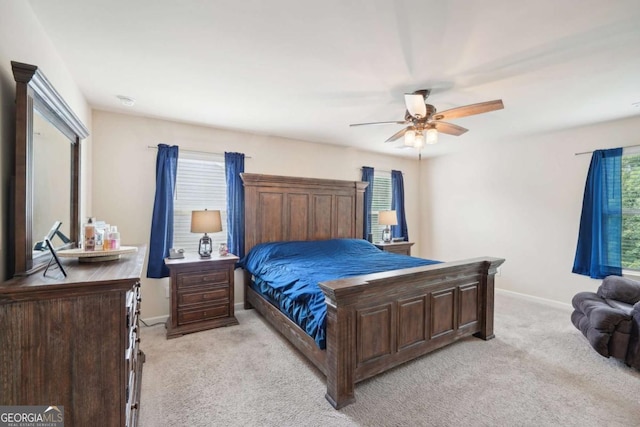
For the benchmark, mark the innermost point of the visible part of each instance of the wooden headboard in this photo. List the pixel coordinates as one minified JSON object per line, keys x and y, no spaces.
{"x":282,"y":208}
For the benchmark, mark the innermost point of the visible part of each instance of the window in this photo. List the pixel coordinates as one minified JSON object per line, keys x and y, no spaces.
{"x":200,"y":184}
{"x":381,"y":201}
{"x":631,"y":211}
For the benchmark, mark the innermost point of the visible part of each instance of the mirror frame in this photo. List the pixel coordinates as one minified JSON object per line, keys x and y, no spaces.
{"x":33,"y":91}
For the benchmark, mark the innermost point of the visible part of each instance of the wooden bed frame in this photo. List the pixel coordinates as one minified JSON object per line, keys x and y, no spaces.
{"x":374,"y":322}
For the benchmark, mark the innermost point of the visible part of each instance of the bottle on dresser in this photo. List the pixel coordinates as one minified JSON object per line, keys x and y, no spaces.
{"x":114,"y":238}
{"x":89,"y":235}
{"x":102,"y":235}
{"x":106,"y":243}
{"x":99,"y":239}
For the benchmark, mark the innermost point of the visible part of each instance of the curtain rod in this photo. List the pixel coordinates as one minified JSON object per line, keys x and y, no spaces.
{"x":380,"y":170}
{"x":590,"y":152}
{"x":195,"y":151}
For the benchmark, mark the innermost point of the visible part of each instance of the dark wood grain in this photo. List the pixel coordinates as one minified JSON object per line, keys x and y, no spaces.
{"x":22,"y":192}
{"x":377,"y":321}
{"x":64,"y":341}
{"x":285,"y":209}
{"x":201,"y":294}
{"x":34,"y":91}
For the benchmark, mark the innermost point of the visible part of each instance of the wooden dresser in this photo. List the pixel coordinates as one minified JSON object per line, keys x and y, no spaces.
{"x":201,"y":293}
{"x":74,"y":341}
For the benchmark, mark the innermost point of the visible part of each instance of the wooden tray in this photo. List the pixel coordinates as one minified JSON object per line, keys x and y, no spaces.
{"x":96,"y":256}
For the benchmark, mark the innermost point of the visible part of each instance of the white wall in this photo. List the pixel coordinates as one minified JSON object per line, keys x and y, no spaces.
{"x":22,"y":39}
{"x":519,"y":200}
{"x":124,"y":174}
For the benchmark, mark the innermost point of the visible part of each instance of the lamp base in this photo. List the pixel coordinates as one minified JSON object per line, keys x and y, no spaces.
{"x":386,"y":235}
{"x":204,"y":248}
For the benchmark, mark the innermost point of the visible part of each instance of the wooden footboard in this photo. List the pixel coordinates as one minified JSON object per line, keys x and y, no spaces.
{"x":379,"y":321}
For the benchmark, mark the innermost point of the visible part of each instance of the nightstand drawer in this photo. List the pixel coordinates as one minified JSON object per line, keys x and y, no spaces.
{"x":201,"y":293}
{"x":398,"y":250}
{"x":210,"y":312}
{"x":200,"y":278}
{"x":215,"y":294}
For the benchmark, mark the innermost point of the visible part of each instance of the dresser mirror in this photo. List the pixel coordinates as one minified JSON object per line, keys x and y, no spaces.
{"x":47,"y":170}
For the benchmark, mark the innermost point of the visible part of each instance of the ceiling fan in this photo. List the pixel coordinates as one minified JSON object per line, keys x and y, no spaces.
{"x":425,"y":121}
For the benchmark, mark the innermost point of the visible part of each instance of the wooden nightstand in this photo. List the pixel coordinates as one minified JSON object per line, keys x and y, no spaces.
{"x":201,"y":293}
{"x":403,"y":248}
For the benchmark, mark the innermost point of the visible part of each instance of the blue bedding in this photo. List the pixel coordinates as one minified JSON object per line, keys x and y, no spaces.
{"x":287,"y":274}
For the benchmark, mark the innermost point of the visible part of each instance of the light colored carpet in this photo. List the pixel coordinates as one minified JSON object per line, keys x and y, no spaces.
{"x":538,"y":371}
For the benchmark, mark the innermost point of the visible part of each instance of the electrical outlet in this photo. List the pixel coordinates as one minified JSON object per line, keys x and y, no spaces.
{"x":166,"y":290}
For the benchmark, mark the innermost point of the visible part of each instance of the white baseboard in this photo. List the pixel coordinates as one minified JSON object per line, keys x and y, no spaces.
{"x":545,"y":301}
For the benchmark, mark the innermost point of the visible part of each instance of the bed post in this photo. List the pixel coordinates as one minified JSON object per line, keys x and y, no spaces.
{"x":359,"y":212}
{"x":246,"y":282}
{"x":488,"y":294}
{"x":340,"y":357}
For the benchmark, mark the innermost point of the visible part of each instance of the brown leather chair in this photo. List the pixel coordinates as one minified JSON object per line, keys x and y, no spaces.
{"x":610,"y":318}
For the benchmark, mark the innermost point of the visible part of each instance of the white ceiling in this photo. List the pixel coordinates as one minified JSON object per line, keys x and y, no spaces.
{"x":307,"y":69}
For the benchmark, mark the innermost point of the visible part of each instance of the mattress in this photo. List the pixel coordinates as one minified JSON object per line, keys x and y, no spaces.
{"x":287,"y":274}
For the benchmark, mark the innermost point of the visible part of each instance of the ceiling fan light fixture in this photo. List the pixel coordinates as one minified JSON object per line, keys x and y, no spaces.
{"x":424,"y":124}
{"x":432,"y":136}
{"x":419,"y":142}
{"x":410,"y":138}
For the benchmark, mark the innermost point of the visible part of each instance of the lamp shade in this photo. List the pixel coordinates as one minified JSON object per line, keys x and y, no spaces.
{"x":205,"y":221}
{"x":387,"y":218}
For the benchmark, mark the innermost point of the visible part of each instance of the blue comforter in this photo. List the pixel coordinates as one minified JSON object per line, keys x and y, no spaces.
{"x":288,"y":273}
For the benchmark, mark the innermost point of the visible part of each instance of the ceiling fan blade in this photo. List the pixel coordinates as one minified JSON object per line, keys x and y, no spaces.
{"x":469,"y":110}
{"x":397,"y":122}
{"x":415,"y":104}
{"x":398,"y":134}
{"x":449,"y":128}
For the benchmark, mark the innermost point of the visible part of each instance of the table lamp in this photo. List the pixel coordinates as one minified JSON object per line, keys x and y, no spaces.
{"x":387,"y":218}
{"x":205,"y":222}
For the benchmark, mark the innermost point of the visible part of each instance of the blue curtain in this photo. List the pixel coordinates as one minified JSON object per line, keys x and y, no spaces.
{"x":367,"y":176}
{"x":234,"y":166}
{"x":397,"y":204}
{"x":162,"y":220}
{"x":599,"y":250}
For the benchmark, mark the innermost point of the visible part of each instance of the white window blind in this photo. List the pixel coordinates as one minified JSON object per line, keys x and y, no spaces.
{"x":200,"y":184}
{"x":631,"y":211}
{"x":381,"y":201}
